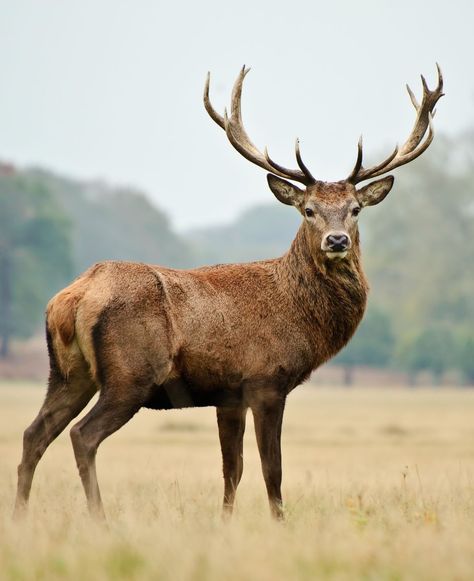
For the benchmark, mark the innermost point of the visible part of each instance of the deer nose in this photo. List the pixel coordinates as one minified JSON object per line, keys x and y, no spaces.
{"x":337,"y":242}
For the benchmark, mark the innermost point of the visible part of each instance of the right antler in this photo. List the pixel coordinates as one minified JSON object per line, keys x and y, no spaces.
{"x":238,"y":137}
{"x":412,"y":147}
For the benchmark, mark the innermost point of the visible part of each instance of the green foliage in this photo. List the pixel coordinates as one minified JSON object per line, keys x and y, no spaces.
{"x":418,"y":243}
{"x":464,"y":356}
{"x":35,"y":254}
{"x":417,"y":249}
{"x":115,"y":224}
{"x":372,"y":344}
{"x":432,"y":349}
{"x":52,"y":228}
{"x":260,"y":232}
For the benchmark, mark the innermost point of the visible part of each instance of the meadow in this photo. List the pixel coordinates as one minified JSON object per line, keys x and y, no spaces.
{"x":378,"y":484}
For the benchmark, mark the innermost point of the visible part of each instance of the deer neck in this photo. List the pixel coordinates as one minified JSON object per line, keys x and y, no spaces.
{"x":325,"y":294}
{"x":305,"y":259}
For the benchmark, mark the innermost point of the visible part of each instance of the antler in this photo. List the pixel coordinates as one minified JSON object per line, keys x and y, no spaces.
{"x":413,"y":146}
{"x":238,"y":137}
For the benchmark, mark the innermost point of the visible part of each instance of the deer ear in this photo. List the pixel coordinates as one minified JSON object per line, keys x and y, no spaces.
{"x":375,"y":192}
{"x":284,"y":191}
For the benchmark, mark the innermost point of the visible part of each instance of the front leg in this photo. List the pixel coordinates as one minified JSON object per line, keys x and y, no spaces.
{"x":267,"y":411}
{"x":231,"y":422}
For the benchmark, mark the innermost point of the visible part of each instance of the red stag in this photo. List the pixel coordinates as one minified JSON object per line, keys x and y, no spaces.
{"x":233,"y":336}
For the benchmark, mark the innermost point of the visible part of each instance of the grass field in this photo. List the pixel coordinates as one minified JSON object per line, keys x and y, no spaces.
{"x":378,"y":484}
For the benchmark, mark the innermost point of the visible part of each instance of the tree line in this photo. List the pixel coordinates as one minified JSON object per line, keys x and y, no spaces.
{"x":53,"y":228}
{"x":417,"y":250}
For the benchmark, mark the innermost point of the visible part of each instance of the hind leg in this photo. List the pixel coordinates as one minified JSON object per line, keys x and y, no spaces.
{"x":64,"y":401}
{"x":109,"y":414}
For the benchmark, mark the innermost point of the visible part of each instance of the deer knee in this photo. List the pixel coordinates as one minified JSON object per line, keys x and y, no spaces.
{"x":32,"y":451}
{"x":76,"y":437}
{"x":29,"y":436}
{"x":84,"y":450}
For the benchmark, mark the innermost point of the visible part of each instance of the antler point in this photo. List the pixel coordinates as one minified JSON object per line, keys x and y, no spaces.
{"x":413,"y":100}
{"x":440,"y":78}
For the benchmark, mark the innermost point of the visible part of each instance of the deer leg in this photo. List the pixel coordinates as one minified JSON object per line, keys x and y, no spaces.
{"x":268,"y":417}
{"x":106,"y":417}
{"x":63,"y":402}
{"x":231,"y":423}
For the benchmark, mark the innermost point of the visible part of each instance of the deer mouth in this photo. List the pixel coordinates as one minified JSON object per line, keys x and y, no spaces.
{"x":336,"y":255}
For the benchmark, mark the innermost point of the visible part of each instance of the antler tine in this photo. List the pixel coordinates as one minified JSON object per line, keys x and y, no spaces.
{"x":301,"y":164}
{"x":239,"y":139}
{"x":414,"y":145}
{"x":274,"y":164}
{"x":234,"y":127}
{"x":426,"y":108}
{"x":358,"y":163}
{"x":304,"y":169}
{"x":413,"y":98}
{"x":207,"y":104}
{"x":359,"y":173}
{"x":440,"y":78}
{"x":416,"y":151}
{"x":236,"y":97}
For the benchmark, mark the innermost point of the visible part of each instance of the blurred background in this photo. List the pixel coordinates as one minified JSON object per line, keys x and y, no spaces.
{"x":107,"y":153}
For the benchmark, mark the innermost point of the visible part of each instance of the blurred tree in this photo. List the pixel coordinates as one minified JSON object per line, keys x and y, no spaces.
{"x":35,"y":255}
{"x":417,"y":243}
{"x":109,"y":223}
{"x":264,"y":231}
{"x":52,"y":228}
{"x":371,"y":346}
{"x":465,"y":354}
{"x":432,"y":349}
{"x":418,"y":255}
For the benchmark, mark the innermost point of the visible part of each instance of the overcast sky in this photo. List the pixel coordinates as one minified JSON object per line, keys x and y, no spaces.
{"x":112,"y":89}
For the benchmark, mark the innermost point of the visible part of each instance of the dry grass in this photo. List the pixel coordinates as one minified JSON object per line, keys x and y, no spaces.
{"x":378,"y":485}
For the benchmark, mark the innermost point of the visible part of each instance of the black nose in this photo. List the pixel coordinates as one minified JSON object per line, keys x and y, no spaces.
{"x":337,"y":242}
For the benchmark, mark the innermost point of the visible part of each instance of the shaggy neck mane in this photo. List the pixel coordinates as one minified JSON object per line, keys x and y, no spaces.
{"x":327,"y":294}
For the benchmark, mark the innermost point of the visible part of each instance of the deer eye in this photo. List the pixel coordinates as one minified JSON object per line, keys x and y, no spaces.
{"x":309,"y":212}
{"x":356,"y":211}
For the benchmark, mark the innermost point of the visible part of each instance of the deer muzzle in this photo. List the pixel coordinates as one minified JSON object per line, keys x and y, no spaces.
{"x":336,"y":244}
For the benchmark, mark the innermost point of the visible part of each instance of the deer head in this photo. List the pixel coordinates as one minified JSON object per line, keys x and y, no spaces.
{"x":330,"y":209}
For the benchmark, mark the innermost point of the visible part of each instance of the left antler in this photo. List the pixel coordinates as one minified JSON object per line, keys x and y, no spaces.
{"x":234,"y":128}
{"x":413,"y":146}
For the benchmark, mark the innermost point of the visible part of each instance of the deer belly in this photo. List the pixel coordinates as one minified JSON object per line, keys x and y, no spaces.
{"x":179,"y":393}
